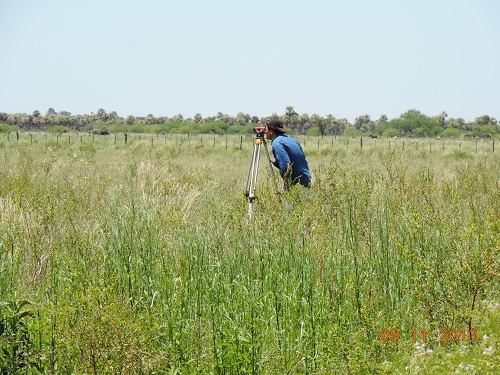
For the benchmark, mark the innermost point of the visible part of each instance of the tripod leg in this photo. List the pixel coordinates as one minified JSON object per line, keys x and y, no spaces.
{"x":252,"y":176}
{"x":253,"y":171}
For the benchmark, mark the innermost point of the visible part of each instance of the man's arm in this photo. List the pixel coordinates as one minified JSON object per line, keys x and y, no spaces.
{"x":282,"y":158}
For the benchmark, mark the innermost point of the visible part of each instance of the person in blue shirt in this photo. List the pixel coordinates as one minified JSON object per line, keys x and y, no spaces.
{"x":290,"y":159}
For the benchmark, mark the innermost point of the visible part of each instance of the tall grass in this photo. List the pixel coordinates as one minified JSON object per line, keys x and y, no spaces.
{"x":139,"y":258}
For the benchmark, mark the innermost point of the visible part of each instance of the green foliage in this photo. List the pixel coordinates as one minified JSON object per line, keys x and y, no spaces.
{"x":451,"y":133}
{"x":238,"y":129}
{"x":314,"y":132}
{"x":414,"y":123}
{"x":58,"y":129}
{"x":5,"y":128}
{"x":97,"y":125}
{"x":17,"y":350}
{"x":390,"y":132}
{"x":351,"y":131}
{"x":483,"y":131}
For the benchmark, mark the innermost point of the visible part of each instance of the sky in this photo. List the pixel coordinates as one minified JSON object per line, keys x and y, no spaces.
{"x":326,"y":57}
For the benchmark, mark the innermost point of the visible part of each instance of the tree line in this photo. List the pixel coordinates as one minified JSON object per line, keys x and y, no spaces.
{"x":412,"y":123}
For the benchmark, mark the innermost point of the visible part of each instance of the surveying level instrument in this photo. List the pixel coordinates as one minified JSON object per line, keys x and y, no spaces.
{"x":259,"y":140}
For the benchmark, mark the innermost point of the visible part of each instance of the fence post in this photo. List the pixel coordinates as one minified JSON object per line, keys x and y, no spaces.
{"x":361,"y":141}
{"x":126,"y":136}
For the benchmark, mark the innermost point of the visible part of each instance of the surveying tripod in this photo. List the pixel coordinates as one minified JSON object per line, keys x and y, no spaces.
{"x":259,"y":140}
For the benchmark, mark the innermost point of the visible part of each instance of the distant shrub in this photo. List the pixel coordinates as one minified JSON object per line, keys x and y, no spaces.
{"x":5,"y":128}
{"x":314,"y":132}
{"x":451,"y":133}
{"x":484,"y":130}
{"x":58,"y":129}
{"x":351,"y":131}
{"x":390,"y":133}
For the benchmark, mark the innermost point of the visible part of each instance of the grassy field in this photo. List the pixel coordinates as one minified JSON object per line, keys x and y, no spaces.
{"x":138,"y":257}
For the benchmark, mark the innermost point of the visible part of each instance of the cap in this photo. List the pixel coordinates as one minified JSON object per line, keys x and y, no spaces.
{"x":276,"y":124}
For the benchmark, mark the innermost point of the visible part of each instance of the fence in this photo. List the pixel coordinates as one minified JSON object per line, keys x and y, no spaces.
{"x":466,"y":145}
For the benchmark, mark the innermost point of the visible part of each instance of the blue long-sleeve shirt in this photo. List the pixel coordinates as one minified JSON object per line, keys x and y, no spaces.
{"x":291,"y":159}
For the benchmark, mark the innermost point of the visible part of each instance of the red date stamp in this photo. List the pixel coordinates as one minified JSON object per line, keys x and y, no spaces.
{"x":423,"y":335}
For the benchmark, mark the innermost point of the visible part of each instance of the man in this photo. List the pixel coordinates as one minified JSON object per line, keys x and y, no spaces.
{"x":290,"y":158}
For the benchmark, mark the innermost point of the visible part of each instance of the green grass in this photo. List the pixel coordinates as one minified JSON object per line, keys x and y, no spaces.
{"x":139,"y":258}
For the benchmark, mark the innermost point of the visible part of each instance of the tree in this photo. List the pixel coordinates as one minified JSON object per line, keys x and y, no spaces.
{"x":177,"y":118}
{"x":485,"y":120}
{"x":150,"y":119}
{"x":242,"y":119}
{"x":291,"y":120}
{"x":226,"y":119}
{"x":364,"y":123}
{"x":197,"y":118}
{"x":321,"y":124}
{"x":130,"y":120}
{"x":304,"y":121}
{"x":441,"y":118}
{"x":415,"y":123}
{"x":112,"y":118}
{"x":456,"y":123}
{"x":101,"y":114}
{"x":36,"y":118}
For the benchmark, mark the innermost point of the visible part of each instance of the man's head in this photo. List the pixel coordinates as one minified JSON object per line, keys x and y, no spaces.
{"x":274,"y":128}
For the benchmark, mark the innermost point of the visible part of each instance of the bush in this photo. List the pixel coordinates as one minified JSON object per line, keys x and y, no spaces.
{"x":58,"y":129}
{"x":5,"y":128}
{"x":314,"y":132}
{"x":390,"y":133}
{"x":351,"y":131}
{"x":451,"y":133}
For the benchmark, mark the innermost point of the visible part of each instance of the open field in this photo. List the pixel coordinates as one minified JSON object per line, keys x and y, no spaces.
{"x":138,"y":257}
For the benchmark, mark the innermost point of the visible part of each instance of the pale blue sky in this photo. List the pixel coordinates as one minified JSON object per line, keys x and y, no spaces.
{"x":341,"y":57}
